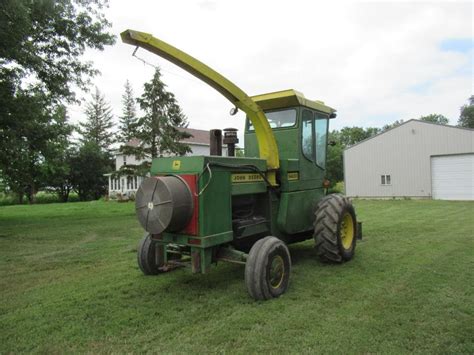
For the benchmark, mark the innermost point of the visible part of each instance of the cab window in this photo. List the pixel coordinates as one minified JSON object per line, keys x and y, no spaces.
{"x":307,"y":134}
{"x":279,"y":119}
{"x":321,"y":125}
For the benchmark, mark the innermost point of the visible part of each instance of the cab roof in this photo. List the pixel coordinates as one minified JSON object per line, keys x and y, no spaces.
{"x":289,"y":98}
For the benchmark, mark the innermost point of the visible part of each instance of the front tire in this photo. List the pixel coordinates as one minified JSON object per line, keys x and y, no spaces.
{"x":148,"y":256}
{"x":267,"y":270}
{"x":335,"y":229}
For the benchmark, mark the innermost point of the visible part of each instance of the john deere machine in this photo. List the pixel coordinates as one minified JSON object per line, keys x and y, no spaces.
{"x":199,"y":210}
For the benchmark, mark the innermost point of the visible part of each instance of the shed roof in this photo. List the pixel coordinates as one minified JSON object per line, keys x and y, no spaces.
{"x":288,"y":98}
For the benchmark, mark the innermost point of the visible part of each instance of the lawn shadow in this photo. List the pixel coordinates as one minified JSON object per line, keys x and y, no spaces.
{"x":302,"y":253}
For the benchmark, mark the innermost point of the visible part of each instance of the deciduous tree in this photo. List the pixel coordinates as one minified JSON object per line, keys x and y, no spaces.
{"x":57,"y":163}
{"x":435,"y":118}
{"x":34,"y":129}
{"x":466,"y":118}
{"x":42,"y":42}
{"x":392,"y":125}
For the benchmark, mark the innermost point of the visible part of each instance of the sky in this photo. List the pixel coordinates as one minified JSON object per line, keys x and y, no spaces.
{"x":375,"y":62}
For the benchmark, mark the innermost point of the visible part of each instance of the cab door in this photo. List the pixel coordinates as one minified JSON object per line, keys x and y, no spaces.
{"x":314,"y":132}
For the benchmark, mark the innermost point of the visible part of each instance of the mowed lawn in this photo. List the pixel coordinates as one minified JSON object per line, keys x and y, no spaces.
{"x":69,"y":281}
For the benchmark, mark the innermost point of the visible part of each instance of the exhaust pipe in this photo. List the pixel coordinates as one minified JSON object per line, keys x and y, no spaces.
{"x":230,"y":138}
{"x":215,"y":136}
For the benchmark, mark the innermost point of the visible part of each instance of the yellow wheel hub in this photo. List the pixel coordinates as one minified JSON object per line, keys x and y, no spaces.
{"x":347,"y":230}
{"x":277,"y":271}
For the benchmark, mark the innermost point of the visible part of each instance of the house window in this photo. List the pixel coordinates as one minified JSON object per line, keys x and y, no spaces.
{"x":136,"y":184}
{"x":128,"y":182}
{"x":386,"y":180}
{"x":124,"y":160}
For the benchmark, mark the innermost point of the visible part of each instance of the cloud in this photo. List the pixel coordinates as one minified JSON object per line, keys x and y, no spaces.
{"x":374,"y":62}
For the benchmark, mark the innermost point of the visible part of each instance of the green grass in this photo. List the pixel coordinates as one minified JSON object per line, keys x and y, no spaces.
{"x":69,"y":282}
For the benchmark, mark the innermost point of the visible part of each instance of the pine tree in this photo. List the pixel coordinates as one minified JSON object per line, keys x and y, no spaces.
{"x":158,"y":129}
{"x":128,"y":120}
{"x":97,"y":128}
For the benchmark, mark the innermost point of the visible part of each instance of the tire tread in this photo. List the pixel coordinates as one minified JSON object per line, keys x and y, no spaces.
{"x":327,"y":216}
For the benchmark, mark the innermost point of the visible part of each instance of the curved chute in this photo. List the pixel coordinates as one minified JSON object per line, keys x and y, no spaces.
{"x":266,"y":140}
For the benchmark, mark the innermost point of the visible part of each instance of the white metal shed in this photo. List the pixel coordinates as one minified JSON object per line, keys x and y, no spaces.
{"x":415,"y":159}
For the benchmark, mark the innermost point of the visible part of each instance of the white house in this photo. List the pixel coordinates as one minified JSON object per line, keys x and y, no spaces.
{"x":415,"y":159}
{"x":128,"y":185}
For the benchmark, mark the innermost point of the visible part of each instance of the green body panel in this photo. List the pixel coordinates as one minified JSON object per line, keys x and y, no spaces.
{"x":296,"y":210}
{"x":249,"y":188}
{"x":197,"y":164}
{"x":215,"y":204}
{"x":187,"y":165}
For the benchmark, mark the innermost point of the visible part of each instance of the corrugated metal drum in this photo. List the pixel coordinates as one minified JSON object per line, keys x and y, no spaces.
{"x":164,"y":203}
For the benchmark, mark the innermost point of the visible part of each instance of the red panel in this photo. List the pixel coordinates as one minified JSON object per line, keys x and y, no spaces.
{"x":192,"y":227}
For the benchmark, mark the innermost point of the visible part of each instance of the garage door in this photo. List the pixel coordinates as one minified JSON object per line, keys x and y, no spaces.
{"x":452,"y":177}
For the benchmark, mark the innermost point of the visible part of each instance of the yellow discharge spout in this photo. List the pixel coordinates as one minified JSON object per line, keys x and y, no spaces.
{"x":266,"y":141}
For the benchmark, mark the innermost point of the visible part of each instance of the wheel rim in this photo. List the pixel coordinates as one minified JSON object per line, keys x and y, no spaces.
{"x":347,"y":230}
{"x":277,"y":271}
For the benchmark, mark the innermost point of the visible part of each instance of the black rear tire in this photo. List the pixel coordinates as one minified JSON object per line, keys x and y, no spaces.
{"x":267,"y":270}
{"x":148,"y":255}
{"x":335,"y":229}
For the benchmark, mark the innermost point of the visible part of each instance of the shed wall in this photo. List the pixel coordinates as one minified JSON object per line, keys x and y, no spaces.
{"x":404,"y":154}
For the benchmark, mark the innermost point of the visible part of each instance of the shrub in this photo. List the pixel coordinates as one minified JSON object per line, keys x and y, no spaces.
{"x":338,"y":188}
{"x":7,"y":199}
{"x":73,"y":197}
{"x":46,"y":197}
{"x":42,"y":197}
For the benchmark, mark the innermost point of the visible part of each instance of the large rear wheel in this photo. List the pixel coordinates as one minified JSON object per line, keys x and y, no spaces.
{"x":335,"y":229}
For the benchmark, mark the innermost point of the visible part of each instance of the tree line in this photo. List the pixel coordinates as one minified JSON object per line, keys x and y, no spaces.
{"x":80,"y":165}
{"x":41,"y":46}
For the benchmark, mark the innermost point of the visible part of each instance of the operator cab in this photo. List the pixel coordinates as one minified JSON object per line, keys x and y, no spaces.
{"x":300,"y":127}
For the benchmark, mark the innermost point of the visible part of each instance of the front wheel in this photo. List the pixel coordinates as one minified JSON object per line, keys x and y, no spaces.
{"x":149,"y":256}
{"x":267,"y":270}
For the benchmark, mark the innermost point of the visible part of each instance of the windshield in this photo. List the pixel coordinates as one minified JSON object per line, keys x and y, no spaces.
{"x":279,"y":119}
